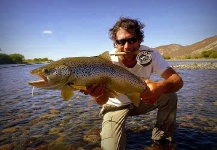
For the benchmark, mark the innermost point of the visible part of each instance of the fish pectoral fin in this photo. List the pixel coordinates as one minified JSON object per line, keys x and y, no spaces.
{"x":67,"y":93}
{"x":135,"y":98}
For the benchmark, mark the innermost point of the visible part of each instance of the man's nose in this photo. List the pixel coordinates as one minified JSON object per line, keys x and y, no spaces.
{"x":126,"y":44}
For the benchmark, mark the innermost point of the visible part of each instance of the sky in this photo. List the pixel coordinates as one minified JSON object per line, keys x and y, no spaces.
{"x":56,"y":29}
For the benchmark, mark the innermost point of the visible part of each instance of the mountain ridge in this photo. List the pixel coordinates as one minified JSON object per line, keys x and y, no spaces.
{"x":177,"y":51}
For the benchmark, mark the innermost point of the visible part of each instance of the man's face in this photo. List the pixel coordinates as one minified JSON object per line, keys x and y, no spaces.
{"x":127,"y":42}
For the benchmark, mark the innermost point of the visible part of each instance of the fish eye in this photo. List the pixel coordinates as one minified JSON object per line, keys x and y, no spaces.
{"x":45,"y":70}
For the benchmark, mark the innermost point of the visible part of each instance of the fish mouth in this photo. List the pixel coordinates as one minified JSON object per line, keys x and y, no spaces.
{"x":41,"y":82}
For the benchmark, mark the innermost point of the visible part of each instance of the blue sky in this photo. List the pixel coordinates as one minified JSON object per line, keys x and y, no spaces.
{"x":69,"y":28}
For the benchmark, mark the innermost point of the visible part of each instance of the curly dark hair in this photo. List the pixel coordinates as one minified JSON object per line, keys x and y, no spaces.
{"x":131,"y":25}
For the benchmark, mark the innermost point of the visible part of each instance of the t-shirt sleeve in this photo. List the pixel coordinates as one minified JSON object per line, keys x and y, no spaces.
{"x":158,"y":62}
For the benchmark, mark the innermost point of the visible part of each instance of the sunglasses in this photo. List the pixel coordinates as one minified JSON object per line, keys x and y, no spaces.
{"x":130,"y":41}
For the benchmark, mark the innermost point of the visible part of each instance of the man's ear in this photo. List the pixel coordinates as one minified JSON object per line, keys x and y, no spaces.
{"x":115,"y":45}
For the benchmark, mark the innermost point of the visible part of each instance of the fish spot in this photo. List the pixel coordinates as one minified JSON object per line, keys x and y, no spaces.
{"x":70,"y":83}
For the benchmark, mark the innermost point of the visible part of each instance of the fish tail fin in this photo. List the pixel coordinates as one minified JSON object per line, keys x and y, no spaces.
{"x":135,"y":98}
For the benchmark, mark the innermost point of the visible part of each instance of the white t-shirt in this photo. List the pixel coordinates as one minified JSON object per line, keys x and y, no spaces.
{"x":158,"y":65}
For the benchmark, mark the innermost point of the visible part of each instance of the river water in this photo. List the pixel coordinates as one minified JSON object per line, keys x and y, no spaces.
{"x":45,"y":121}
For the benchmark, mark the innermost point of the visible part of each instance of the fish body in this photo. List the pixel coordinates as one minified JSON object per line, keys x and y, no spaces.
{"x":77,"y":73}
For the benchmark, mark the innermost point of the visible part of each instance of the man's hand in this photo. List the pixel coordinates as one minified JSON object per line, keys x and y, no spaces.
{"x":97,"y":91}
{"x":153,"y":92}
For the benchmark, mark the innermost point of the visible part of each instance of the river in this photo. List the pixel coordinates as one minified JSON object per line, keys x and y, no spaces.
{"x":44,"y":121}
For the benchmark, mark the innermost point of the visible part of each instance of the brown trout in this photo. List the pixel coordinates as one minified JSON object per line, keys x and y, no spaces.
{"x":77,"y":73}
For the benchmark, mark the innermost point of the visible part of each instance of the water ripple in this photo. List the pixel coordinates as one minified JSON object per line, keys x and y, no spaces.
{"x":45,"y":120}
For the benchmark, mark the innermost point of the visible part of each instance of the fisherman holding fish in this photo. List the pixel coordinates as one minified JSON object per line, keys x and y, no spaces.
{"x":142,"y":61}
{"x":120,"y":81}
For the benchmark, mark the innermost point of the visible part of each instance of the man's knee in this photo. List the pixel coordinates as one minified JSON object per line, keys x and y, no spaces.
{"x":168,"y":99}
{"x":112,"y":134}
{"x":108,"y":140}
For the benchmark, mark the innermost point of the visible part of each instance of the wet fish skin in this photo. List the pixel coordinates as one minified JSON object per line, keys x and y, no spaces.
{"x":77,"y":73}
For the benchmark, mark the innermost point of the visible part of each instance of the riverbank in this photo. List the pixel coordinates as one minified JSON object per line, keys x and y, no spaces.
{"x":209,"y":64}
{"x":206,"y":65}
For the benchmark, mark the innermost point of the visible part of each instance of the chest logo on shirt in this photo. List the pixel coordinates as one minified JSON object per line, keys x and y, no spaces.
{"x":144,"y":58}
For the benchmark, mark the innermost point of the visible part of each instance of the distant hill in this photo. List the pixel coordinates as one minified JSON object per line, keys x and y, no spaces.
{"x":176,"y":51}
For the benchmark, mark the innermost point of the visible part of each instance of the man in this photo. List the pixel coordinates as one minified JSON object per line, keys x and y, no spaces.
{"x":127,"y":36}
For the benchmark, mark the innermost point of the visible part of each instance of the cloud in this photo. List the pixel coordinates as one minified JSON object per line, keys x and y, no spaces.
{"x":47,"y":32}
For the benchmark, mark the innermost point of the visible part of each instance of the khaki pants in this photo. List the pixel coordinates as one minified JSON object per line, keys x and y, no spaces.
{"x":114,"y":118}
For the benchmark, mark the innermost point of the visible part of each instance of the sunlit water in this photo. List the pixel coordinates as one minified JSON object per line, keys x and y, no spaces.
{"x":46,"y":121}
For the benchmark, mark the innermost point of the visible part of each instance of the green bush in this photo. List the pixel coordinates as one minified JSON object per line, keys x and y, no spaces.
{"x":17,"y":58}
{"x":187,"y":57}
{"x":209,"y":54}
{"x":213,"y":55}
{"x":5,"y":59}
{"x":166,"y":57}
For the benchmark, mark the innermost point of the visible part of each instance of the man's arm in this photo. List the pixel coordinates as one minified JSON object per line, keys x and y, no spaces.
{"x":172,"y":83}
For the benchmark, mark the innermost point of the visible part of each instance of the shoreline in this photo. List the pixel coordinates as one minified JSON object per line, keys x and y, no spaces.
{"x":208,"y":64}
{"x":196,"y":65}
{"x":192,"y":60}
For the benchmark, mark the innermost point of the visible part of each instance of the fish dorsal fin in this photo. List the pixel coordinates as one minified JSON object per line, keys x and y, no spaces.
{"x":105,"y":55}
